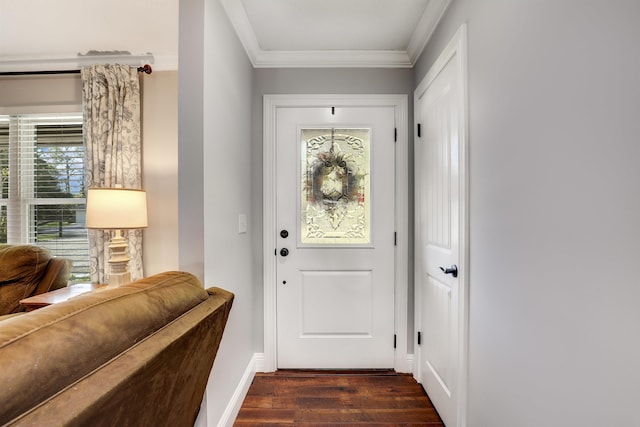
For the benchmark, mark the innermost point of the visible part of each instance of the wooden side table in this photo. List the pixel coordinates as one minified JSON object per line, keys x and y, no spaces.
{"x":59,"y":295}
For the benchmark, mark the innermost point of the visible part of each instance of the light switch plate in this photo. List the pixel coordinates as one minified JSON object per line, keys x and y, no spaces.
{"x":242,"y":224}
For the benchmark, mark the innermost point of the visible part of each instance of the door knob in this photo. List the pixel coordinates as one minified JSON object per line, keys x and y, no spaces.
{"x":284,"y":251}
{"x":453,"y":270}
{"x":284,"y":234}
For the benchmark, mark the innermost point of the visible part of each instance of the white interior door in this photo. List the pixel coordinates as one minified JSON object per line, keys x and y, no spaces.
{"x":440,"y":195}
{"x":335,"y":244}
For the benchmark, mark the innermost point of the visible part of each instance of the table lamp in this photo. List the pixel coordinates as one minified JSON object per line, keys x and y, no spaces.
{"x":117,"y":209}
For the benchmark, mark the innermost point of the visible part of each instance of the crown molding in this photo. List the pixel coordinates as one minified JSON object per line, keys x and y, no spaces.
{"x":426,"y":26}
{"x":334,"y":58}
{"x":240,"y":22}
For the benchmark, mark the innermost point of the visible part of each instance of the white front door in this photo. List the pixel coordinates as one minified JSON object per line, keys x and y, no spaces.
{"x":335,"y":244}
{"x":440,"y":234}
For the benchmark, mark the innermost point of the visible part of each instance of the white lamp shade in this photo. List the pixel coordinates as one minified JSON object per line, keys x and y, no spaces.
{"x":116,"y":208}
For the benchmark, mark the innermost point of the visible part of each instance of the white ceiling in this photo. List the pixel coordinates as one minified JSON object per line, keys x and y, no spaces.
{"x":334,"y":33}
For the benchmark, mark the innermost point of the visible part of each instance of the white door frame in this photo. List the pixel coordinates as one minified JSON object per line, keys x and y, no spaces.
{"x":403,"y":362}
{"x":456,"y":47}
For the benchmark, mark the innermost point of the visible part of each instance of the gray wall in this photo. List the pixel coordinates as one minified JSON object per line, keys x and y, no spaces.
{"x":227,"y":193}
{"x":316,"y":81}
{"x":555,"y":236}
{"x":190,"y":138}
{"x":215,"y":182}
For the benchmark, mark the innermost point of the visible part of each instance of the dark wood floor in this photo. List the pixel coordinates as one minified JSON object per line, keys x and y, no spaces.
{"x":338,"y":398}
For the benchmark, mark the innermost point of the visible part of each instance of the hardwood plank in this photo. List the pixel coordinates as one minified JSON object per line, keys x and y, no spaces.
{"x":266,"y":416}
{"x":314,"y":398}
{"x":261,"y":402}
{"x":385,"y":424}
{"x":384,"y":415}
{"x":290,"y":373}
{"x":391,"y":402}
{"x":261,"y":387}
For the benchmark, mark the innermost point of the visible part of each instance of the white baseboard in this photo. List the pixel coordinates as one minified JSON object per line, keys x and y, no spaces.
{"x":403,"y":363}
{"x":409,"y":364}
{"x":233,"y":407}
{"x":259,"y":362}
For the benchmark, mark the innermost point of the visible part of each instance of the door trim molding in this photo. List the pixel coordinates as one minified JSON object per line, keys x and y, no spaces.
{"x":271,"y":103}
{"x":457,"y":46}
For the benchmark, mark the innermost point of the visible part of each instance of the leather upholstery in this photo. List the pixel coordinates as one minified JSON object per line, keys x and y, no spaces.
{"x":135,"y":355}
{"x":56,"y":275}
{"x":27,"y":270}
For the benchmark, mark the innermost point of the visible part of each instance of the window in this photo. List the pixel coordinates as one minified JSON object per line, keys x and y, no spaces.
{"x":42,"y":194}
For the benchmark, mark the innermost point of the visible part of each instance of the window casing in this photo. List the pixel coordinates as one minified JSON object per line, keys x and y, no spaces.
{"x":42,"y":194}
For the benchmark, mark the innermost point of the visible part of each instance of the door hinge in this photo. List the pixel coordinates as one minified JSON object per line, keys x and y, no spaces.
{"x":395,"y":238}
{"x":419,"y":337}
{"x":395,"y":340}
{"x":395,"y":134}
{"x":418,"y":130}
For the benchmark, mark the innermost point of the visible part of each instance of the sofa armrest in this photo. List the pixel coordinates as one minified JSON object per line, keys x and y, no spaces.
{"x":55,"y":277}
{"x":21,"y":270}
{"x":158,"y":381}
{"x":47,"y":350}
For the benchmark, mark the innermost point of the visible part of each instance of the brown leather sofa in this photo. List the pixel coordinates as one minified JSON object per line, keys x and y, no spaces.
{"x":137,"y":355}
{"x":27,"y":270}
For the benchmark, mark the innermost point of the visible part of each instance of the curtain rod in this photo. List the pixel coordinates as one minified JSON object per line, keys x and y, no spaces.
{"x":146,"y":68}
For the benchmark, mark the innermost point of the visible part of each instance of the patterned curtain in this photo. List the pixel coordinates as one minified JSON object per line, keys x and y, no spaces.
{"x":111,"y":110}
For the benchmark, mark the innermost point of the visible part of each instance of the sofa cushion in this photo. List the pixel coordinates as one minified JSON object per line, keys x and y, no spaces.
{"x":21,"y":268}
{"x":43,"y":351}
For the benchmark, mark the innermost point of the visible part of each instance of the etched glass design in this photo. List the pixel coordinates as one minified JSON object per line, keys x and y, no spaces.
{"x":335,"y":190}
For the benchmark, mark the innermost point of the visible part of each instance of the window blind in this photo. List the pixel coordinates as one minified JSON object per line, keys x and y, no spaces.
{"x":4,"y":176}
{"x":45,"y":194}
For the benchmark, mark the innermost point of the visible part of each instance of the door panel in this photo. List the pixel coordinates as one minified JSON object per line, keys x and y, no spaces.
{"x":438,"y":311}
{"x":336,"y":304}
{"x":438,"y":183}
{"x":335,"y":198}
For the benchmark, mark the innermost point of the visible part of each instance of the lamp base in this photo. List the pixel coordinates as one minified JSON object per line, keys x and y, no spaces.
{"x":118,"y":279}
{"x":118,"y":260}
